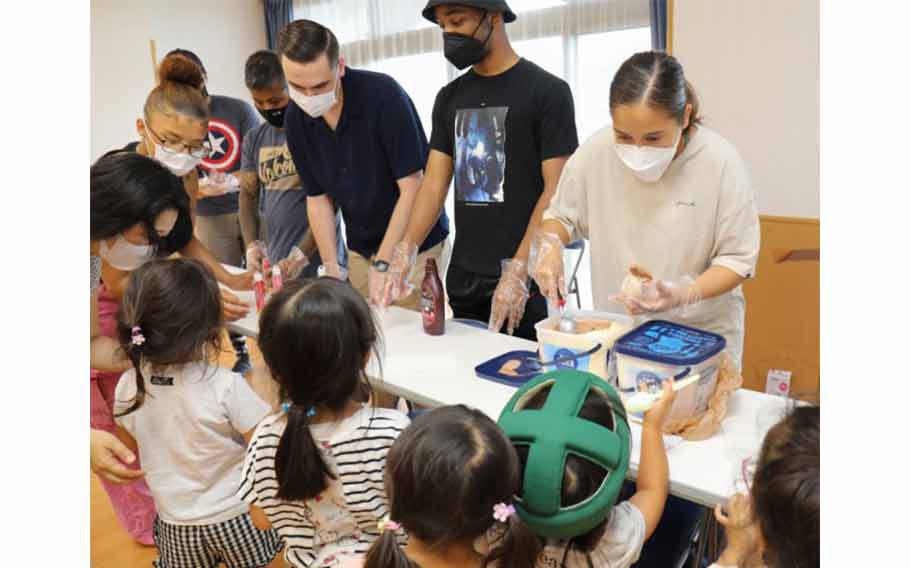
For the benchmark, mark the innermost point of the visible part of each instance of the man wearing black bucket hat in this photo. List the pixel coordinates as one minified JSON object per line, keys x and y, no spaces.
{"x":503,"y":130}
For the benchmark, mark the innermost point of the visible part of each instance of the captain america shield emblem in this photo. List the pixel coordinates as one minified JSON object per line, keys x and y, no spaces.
{"x":225,"y":146}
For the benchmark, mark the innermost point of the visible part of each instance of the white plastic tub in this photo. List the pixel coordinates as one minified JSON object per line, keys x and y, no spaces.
{"x":554,"y":344}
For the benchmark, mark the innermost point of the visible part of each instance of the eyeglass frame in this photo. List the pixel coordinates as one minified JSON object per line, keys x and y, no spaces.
{"x":206,"y":146}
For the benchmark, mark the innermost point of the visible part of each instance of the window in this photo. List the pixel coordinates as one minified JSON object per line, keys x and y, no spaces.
{"x":346,"y":18}
{"x":599,"y":57}
{"x":421,"y":87}
{"x":582,"y":41}
{"x":546,"y":52}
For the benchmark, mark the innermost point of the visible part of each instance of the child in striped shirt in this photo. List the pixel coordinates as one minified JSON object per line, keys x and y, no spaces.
{"x":314,"y":471}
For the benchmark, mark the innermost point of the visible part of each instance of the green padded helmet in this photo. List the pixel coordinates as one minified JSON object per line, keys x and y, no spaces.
{"x":551,"y":434}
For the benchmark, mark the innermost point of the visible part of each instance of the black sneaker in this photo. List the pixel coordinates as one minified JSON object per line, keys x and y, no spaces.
{"x":242,"y":365}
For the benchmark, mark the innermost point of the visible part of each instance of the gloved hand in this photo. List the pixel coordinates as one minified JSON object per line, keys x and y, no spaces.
{"x":378,"y":285}
{"x":218,"y":183}
{"x":333,"y":270}
{"x":657,"y":296}
{"x":254,"y":255}
{"x":292,"y":265}
{"x":546,"y":265}
{"x":510,"y":296}
{"x":396,"y":285}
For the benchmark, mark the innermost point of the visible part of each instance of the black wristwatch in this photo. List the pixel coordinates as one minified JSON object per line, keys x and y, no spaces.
{"x":380,"y":265}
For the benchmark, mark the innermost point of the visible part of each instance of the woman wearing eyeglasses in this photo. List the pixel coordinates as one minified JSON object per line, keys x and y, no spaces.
{"x":173,"y":131}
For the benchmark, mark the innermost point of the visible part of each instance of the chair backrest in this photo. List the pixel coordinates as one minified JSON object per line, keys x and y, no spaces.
{"x":572,"y":280}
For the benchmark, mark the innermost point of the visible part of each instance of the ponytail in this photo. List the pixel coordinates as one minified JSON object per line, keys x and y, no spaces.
{"x":136,"y":359}
{"x":517,"y":548}
{"x":386,"y":552}
{"x":299,"y":466}
{"x":692,"y":99}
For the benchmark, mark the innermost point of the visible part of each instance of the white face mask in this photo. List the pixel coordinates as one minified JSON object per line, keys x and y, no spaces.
{"x":179,"y":164}
{"x":316,"y":105}
{"x":124,"y":255}
{"x":647,"y":162}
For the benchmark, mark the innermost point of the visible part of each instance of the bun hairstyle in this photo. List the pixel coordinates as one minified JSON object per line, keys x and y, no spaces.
{"x":656,"y":79}
{"x":179,"y":89}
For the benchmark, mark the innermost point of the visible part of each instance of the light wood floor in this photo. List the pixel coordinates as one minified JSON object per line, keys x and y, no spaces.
{"x":111,"y":546}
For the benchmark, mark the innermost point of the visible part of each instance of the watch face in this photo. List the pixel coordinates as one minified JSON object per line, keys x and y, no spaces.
{"x":381,"y":265}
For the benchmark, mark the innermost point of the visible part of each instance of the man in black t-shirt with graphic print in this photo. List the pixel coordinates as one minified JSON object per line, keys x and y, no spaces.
{"x":503,"y":131}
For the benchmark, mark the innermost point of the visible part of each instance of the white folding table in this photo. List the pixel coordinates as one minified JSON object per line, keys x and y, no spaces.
{"x":439,"y":370}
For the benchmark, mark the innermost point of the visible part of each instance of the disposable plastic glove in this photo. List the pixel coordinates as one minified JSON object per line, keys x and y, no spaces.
{"x":294,"y":263}
{"x":396,"y":285}
{"x":510,"y":297}
{"x":546,"y":265}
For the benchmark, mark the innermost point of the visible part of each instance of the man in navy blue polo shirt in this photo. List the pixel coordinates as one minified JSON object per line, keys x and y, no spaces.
{"x":357,"y":141}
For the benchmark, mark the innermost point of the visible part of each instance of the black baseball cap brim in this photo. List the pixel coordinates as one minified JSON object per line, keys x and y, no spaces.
{"x":429,"y":12}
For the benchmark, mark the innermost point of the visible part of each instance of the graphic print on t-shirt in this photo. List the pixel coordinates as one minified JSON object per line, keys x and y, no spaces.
{"x":480,"y":154}
{"x":276,"y":169}
{"x":225,"y":141}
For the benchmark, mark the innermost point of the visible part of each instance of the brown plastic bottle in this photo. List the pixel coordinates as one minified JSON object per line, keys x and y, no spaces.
{"x":432,"y":301}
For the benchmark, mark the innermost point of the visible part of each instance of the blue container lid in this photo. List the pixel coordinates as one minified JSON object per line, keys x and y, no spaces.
{"x":670,"y":343}
{"x":490,"y":370}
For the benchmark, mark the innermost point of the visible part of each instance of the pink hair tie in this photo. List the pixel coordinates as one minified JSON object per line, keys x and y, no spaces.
{"x":138,"y":338}
{"x":387,"y":524}
{"x":502,"y":512}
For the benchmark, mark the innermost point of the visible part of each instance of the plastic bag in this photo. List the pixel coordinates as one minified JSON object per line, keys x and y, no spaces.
{"x":704,"y":425}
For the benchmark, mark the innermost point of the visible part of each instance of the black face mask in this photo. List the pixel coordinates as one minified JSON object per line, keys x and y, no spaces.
{"x":463,"y":50}
{"x":274,"y":116}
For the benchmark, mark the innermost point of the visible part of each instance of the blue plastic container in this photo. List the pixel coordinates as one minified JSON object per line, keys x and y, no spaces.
{"x":659,"y":350}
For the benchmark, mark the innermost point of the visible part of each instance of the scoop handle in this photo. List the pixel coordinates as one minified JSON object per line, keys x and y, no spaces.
{"x":643,"y":401}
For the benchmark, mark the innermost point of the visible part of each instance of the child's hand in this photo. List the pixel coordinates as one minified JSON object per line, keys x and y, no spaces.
{"x":743,"y":537}
{"x":659,"y":412}
{"x":232,"y":307}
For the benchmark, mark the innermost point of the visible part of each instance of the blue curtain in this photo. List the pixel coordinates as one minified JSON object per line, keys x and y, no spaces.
{"x":658,"y":25}
{"x":278,"y":13}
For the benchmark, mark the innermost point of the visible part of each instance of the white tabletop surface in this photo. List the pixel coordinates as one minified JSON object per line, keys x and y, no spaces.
{"x":439,"y":370}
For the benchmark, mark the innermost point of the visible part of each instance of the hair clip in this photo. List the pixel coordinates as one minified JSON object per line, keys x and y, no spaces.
{"x":286,"y":407}
{"x":138,"y":338}
{"x":502,"y":512}
{"x":387,"y":524}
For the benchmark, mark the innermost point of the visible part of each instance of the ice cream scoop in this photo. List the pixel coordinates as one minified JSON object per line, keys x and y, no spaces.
{"x":566,"y":323}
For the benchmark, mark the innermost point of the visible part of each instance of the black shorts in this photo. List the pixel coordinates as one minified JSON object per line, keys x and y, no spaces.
{"x":471,"y":297}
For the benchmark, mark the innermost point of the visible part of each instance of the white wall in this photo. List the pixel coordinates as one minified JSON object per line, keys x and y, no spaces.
{"x":223,"y":33}
{"x":755,"y":66}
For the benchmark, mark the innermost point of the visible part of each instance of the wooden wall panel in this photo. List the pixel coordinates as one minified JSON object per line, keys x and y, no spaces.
{"x":782,"y":306}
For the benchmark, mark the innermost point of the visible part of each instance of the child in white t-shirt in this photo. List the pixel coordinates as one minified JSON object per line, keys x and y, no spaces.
{"x":315,"y":470}
{"x":188,"y":419}
{"x":585,"y":429}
